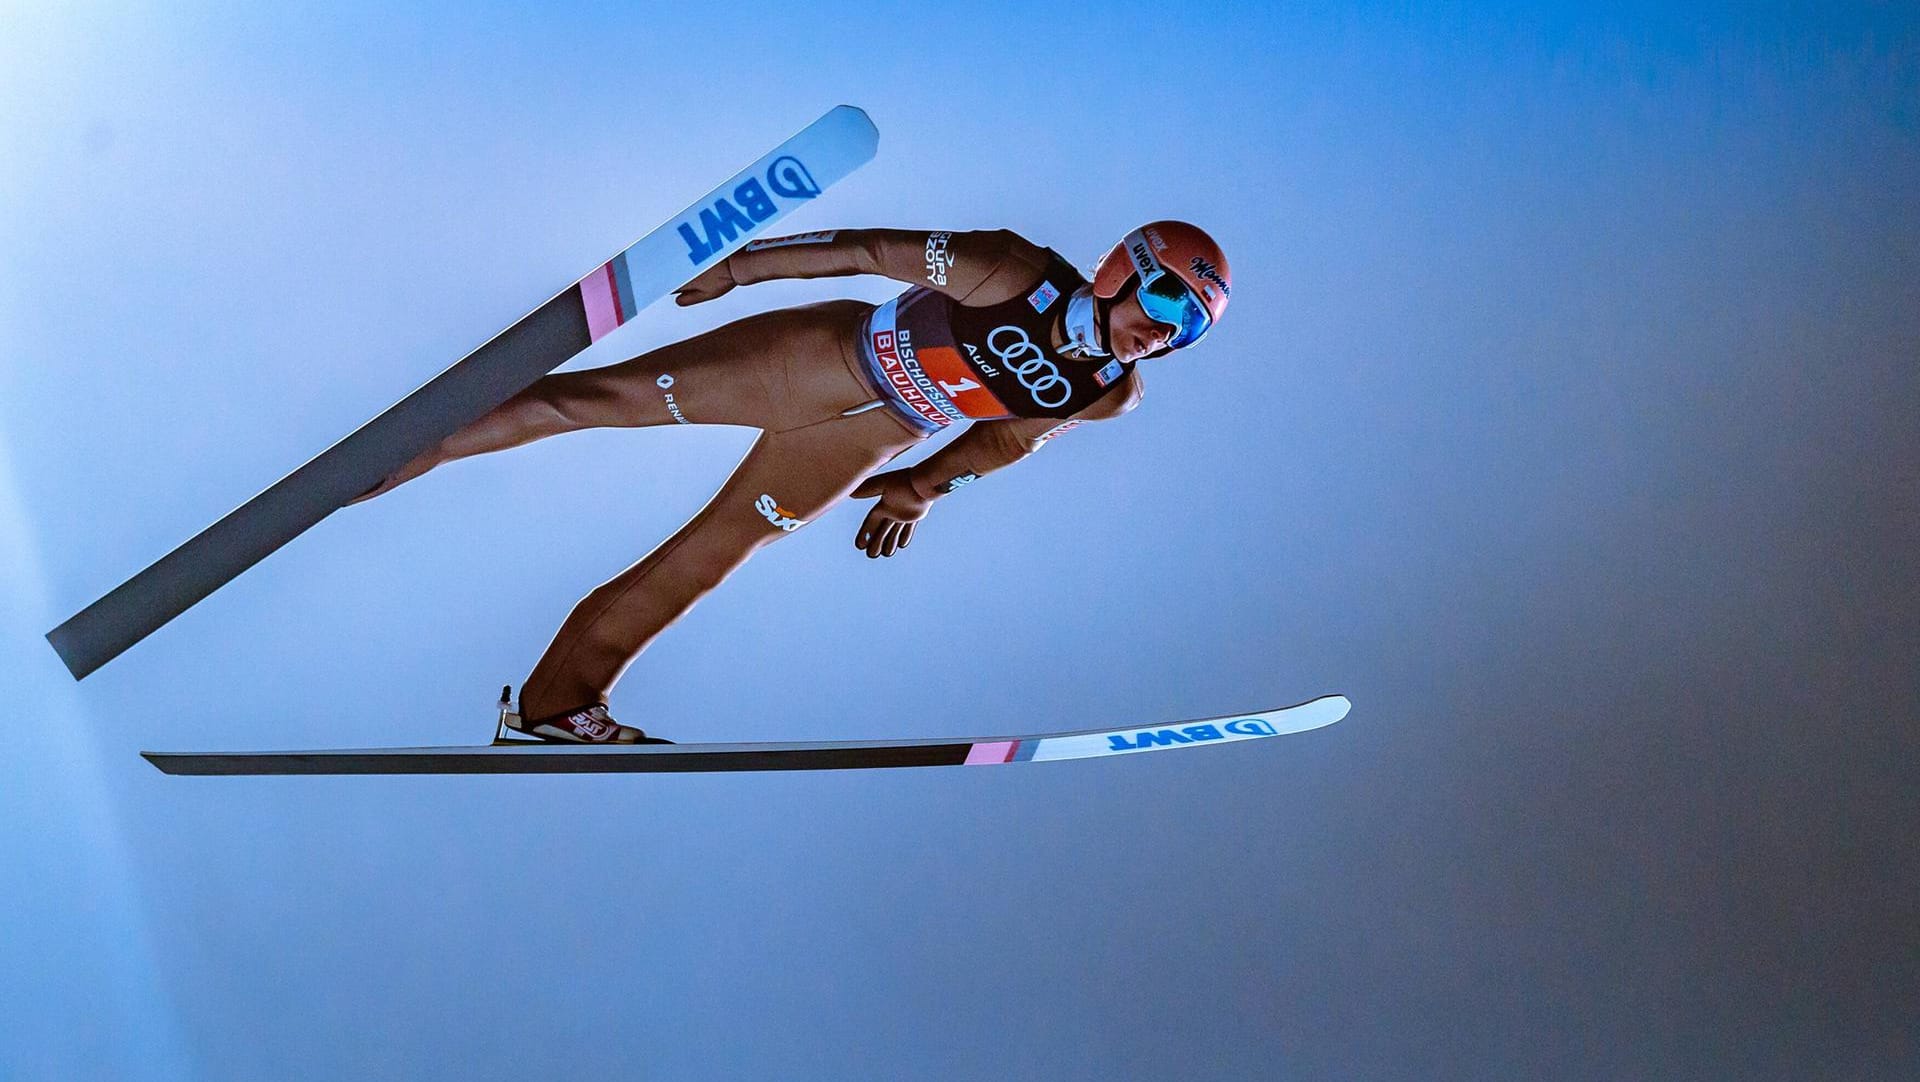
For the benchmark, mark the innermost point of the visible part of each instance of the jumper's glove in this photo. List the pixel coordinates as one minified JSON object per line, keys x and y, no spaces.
{"x":713,"y":282}
{"x":889,"y":525}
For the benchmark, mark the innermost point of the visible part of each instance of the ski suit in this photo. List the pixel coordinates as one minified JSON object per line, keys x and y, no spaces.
{"x":838,"y":389}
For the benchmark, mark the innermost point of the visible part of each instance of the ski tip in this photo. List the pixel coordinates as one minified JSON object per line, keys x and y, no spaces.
{"x":853,"y":117}
{"x":1312,"y":714}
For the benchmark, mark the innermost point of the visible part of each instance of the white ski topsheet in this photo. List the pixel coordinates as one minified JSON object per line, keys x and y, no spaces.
{"x":1086,"y":745}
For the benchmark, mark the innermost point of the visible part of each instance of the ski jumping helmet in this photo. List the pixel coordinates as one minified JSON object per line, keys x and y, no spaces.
{"x":1181,"y":275}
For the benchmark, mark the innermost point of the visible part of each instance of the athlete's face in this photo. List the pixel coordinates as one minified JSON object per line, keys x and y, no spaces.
{"x":1131,"y":333}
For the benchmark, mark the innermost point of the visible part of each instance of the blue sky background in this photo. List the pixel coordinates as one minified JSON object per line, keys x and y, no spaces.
{"x":1565,"y":421}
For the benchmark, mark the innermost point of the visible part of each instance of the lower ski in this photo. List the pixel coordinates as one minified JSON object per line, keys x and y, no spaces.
{"x":820,"y":755}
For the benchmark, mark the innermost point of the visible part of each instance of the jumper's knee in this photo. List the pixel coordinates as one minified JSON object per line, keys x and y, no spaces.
{"x":705,"y":573}
{"x":575,"y":400}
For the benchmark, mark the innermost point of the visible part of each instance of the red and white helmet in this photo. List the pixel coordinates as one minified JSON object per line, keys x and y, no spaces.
{"x":1170,"y":248}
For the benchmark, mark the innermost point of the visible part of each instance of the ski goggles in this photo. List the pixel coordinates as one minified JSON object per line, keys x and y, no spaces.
{"x":1166,"y":299}
{"x":1163,"y":296}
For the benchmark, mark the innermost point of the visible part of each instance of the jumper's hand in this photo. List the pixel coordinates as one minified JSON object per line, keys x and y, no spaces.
{"x":889,"y":525}
{"x":712,"y":282}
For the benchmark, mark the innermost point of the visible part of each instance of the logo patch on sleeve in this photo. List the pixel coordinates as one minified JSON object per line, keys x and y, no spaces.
{"x":1108,"y":373}
{"x":947,"y":486}
{"x":940,"y":259}
{"x":1043,"y":296}
{"x":823,"y":237}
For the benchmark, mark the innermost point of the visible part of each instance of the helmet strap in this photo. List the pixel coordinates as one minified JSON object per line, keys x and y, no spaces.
{"x":1086,"y":323}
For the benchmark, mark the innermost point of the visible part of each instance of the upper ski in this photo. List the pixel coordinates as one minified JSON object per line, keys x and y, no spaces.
{"x":786,"y":178}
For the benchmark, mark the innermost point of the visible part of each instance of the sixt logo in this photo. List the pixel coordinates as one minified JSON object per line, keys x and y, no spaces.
{"x":771,"y":510}
{"x":1207,"y":272}
{"x":725,"y":219}
{"x":1142,"y":739}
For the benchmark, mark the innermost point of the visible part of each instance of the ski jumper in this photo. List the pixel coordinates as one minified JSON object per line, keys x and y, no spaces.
{"x":838,"y":389}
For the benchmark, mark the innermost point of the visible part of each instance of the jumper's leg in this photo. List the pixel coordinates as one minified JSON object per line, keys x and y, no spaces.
{"x":786,"y":480}
{"x":776,"y":370}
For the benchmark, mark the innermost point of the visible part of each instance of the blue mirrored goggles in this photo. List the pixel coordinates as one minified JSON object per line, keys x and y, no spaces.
{"x":1166,"y":299}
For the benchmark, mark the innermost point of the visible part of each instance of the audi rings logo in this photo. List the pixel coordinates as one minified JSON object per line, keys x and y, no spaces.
{"x":1037,"y":374}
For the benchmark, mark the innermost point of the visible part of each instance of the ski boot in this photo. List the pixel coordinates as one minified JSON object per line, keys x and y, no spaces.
{"x":588,"y":724}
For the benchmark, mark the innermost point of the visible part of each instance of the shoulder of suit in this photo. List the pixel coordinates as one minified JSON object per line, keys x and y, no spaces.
{"x":1121,"y":400}
{"x":1015,"y":266}
{"x":1015,"y":249}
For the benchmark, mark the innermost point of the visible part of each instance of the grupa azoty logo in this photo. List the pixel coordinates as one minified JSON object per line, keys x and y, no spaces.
{"x":752,"y":202}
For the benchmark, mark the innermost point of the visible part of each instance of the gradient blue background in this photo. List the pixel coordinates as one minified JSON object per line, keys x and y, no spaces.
{"x":1565,"y":420}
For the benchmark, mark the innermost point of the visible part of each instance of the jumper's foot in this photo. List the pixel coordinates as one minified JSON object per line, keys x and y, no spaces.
{"x":589,"y":724}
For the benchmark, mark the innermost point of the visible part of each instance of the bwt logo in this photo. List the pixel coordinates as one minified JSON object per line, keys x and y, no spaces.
{"x":1207,"y":272}
{"x":1187,"y":734}
{"x":725,"y":219}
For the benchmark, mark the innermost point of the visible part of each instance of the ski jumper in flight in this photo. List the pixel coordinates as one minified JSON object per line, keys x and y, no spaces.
{"x":993,"y":331}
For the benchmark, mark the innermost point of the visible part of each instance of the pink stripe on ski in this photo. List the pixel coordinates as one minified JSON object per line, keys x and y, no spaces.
{"x":603,"y":303}
{"x":999,"y":751}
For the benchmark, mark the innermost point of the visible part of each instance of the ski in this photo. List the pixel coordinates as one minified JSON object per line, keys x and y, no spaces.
{"x":821,"y":755}
{"x":715,"y":226}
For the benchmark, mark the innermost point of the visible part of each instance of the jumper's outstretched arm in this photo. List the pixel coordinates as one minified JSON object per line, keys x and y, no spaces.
{"x":974,"y":268}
